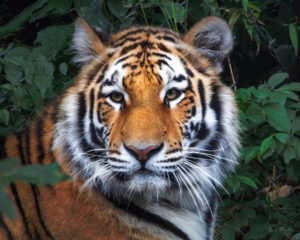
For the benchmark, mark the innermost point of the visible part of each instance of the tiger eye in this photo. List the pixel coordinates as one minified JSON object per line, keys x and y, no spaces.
{"x":117,"y":97}
{"x":172,"y":94}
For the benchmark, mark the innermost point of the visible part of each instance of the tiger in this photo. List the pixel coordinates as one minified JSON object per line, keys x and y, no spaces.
{"x":147,"y":133}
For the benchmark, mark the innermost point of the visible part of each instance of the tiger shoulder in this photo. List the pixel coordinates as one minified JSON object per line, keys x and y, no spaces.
{"x":147,"y":133}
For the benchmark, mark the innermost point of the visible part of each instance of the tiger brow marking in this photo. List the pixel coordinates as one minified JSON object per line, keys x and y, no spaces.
{"x":160,"y":55}
{"x":161,"y":61}
{"x":126,"y":40}
{"x":163,"y":47}
{"x":128,"y":48}
{"x":125,"y":35}
{"x":166,"y":38}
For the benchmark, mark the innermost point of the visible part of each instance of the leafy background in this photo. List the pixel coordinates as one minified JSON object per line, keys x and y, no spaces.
{"x":262,"y":200}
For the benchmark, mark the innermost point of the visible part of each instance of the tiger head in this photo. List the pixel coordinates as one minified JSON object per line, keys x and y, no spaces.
{"x":147,"y":116}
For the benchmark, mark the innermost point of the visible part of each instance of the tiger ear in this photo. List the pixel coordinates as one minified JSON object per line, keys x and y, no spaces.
{"x":87,"y":42}
{"x":212,"y":37}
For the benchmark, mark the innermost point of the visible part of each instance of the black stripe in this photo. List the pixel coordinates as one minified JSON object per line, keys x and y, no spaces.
{"x":126,"y":40}
{"x":81,"y":114}
{"x":161,"y":61}
{"x":8,"y":232}
{"x":93,"y":131}
{"x":163,"y":47}
{"x":210,"y":215}
{"x":20,"y":147}
{"x":149,"y":217}
{"x":98,"y":113}
{"x":94,"y":71}
{"x":124,"y":58}
{"x":215,"y":104}
{"x":128,"y":48}
{"x":161,"y":55}
{"x":202,"y":98}
{"x":2,"y":148}
{"x":39,"y":131}
{"x":27,"y":150}
{"x":19,"y":205}
{"x":167,"y":38}
{"x":38,"y":209}
{"x":203,"y":133}
{"x":100,"y":78}
{"x":139,"y":30}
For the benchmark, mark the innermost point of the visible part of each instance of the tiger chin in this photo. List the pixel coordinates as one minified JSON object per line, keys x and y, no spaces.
{"x":147,"y":132}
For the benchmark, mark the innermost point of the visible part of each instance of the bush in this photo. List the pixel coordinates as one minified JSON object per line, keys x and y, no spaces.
{"x":35,"y":67}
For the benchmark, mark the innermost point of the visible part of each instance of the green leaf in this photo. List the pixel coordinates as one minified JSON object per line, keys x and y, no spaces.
{"x":261,"y":93}
{"x":243,"y":94}
{"x":289,"y":154}
{"x":4,"y":116}
{"x":276,"y":79}
{"x":254,"y":113}
{"x":234,"y":183}
{"x":53,"y":38}
{"x":13,"y":73}
{"x":265,"y":145}
{"x":36,"y":174}
{"x":245,"y":5}
{"x":43,"y":74}
{"x":277,"y":117}
{"x":7,"y":164}
{"x":63,"y":68}
{"x":6,"y":206}
{"x":16,"y":23}
{"x":228,"y":234}
{"x":246,"y":181}
{"x":250,"y":153}
{"x":63,"y":5}
{"x":282,"y":137}
{"x":117,"y":8}
{"x":257,"y":231}
{"x":291,"y":87}
{"x":293,"y":36}
{"x":296,"y":125}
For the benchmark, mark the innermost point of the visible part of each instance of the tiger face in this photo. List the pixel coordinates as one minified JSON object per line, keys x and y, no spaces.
{"x":148,"y":116}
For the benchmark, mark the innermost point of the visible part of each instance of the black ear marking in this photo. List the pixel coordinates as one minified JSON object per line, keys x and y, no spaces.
{"x":103,"y":36}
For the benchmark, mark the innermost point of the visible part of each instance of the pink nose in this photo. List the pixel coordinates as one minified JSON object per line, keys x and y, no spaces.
{"x":144,"y":154}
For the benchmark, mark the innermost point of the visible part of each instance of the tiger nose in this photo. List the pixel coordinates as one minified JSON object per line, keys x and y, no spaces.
{"x":143,"y":154}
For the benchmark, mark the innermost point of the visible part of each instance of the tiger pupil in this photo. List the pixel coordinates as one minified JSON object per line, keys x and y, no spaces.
{"x":172,"y":94}
{"x":117,"y":97}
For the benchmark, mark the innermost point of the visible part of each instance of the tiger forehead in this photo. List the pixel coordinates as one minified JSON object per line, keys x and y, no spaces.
{"x":141,"y":51}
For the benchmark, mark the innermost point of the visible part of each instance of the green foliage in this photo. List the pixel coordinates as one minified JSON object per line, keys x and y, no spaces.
{"x":270,"y":155}
{"x":35,"y":174}
{"x":35,"y":67}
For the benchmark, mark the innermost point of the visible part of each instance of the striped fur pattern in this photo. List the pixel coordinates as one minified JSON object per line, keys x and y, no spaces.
{"x":147,"y":132}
